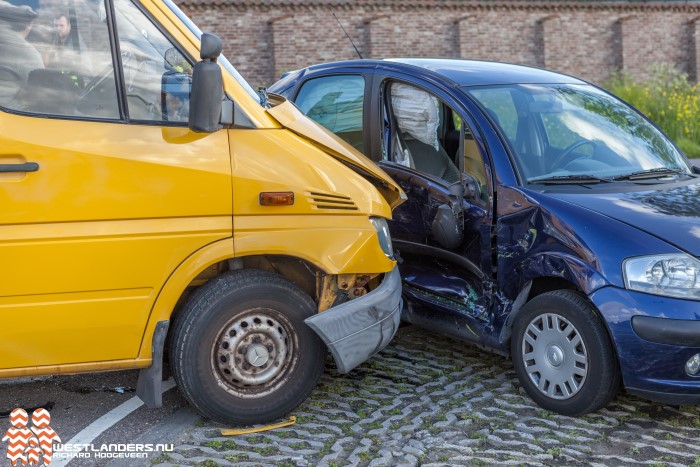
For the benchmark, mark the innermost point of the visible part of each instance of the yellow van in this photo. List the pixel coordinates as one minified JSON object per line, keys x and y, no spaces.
{"x":153,"y":204}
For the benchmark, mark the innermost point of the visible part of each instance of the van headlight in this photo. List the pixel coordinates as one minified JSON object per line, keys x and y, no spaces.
{"x":382,"y":227}
{"x":676,"y":275}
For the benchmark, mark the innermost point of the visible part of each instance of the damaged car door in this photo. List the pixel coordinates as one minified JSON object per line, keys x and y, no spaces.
{"x":442,"y":232}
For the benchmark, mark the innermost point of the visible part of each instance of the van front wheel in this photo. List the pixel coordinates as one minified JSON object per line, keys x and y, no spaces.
{"x":240,"y":350}
{"x":562,"y":354}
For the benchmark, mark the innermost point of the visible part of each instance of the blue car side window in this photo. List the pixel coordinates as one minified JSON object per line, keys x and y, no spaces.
{"x":336,"y":103}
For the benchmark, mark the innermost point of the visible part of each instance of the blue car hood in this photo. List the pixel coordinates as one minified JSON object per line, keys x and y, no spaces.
{"x":671,"y":213}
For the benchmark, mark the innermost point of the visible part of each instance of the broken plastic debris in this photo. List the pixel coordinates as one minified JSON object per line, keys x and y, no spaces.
{"x":230,"y":432}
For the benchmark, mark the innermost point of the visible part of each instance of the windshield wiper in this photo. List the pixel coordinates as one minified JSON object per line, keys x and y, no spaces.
{"x":650,"y":173}
{"x":569,"y":180}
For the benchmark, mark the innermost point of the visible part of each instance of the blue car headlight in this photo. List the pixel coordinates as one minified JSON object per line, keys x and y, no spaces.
{"x":382,"y":227}
{"x":676,"y":275}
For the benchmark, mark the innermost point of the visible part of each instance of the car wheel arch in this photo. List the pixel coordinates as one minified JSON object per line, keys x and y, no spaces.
{"x":537,"y":286}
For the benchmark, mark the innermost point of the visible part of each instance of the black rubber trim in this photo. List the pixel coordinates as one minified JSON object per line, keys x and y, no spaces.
{"x":666,"y":397}
{"x":26,"y":167}
{"x":419,"y":248}
{"x":148,"y":386}
{"x":667,"y":331}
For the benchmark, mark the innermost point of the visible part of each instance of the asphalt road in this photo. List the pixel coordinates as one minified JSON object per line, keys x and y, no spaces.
{"x":74,"y":402}
{"x":425,"y":400}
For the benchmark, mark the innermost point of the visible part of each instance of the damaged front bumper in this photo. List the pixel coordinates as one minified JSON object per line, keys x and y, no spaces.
{"x":358,"y":329}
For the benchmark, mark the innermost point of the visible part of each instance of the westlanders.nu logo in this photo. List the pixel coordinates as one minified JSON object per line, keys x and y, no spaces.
{"x":30,"y":446}
{"x":40,"y":443}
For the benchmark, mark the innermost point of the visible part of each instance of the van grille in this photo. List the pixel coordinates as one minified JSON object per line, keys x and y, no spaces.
{"x":330,"y":201}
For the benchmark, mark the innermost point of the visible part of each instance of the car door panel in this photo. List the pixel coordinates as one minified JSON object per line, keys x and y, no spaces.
{"x":425,"y":195}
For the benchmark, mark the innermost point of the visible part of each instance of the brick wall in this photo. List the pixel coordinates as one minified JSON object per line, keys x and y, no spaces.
{"x":590,"y":39}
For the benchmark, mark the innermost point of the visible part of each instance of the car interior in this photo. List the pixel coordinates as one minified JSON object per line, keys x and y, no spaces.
{"x":75,"y":75}
{"x":431,"y":136}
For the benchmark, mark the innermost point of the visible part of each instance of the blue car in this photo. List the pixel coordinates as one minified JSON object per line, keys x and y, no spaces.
{"x":546,"y":220}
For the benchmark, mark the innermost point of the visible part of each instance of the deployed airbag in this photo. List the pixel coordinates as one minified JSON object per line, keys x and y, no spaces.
{"x":416,"y":113}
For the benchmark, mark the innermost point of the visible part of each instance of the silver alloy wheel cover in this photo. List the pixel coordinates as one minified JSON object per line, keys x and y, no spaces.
{"x":254,"y":352}
{"x":555,"y":356}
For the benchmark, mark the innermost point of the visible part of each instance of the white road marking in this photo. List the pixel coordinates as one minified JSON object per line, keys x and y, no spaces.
{"x":88,"y":434}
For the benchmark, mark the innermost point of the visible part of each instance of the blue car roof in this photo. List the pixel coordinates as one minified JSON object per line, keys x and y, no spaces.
{"x":462,"y":72}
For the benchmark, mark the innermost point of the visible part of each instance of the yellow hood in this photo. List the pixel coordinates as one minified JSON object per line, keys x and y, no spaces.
{"x":290,"y":117}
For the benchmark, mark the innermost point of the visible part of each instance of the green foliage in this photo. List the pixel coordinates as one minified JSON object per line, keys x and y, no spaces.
{"x":669,"y":100}
{"x":690,"y":148}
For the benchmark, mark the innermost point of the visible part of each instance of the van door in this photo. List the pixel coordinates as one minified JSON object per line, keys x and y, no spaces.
{"x":104,"y":190}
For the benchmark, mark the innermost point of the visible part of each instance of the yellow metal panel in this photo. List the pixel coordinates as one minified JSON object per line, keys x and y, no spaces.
{"x":89,"y":239}
{"x":110,"y":365}
{"x":278,"y":160}
{"x":336,"y":244}
{"x":176,"y":284}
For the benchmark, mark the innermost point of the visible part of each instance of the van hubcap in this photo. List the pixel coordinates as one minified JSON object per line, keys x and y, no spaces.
{"x":555,"y":356}
{"x":254,"y":352}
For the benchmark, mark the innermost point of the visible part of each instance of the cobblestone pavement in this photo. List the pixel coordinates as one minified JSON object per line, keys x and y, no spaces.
{"x":428,"y":400}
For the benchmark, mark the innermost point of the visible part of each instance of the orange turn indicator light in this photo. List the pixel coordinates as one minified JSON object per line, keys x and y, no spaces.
{"x":279,"y":198}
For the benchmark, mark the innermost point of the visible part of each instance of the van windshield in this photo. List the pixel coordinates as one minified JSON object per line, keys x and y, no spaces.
{"x":558,"y":131}
{"x":223,"y":60}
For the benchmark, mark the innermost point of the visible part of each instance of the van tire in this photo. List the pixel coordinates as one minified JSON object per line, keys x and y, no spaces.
{"x":562,"y":354}
{"x":240,"y":351}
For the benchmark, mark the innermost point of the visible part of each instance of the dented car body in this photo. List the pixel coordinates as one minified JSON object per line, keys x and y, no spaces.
{"x":546,"y":220}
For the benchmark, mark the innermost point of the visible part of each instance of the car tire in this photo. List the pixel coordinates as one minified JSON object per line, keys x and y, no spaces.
{"x":240,"y":351}
{"x":562,"y":354}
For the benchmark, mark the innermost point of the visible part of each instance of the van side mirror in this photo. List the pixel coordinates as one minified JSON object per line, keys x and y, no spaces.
{"x":696,"y":169}
{"x":207,"y":88}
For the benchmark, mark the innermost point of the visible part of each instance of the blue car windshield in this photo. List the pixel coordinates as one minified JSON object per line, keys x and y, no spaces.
{"x":567,"y":131}
{"x":223,"y":60}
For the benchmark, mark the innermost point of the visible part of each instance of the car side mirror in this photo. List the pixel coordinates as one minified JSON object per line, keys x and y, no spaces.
{"x":470,"y":187}
{"x":448,"y":225}
{"x":446,"y":228}
{"x":207,"y":88}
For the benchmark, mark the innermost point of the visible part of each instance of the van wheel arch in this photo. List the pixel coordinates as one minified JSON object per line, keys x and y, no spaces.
{"x":296,"y":270}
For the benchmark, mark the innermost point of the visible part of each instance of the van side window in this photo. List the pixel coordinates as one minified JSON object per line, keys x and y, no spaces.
{"x":57,"y":60}
{"x":157,"y":77}
{"x":336,"y":103}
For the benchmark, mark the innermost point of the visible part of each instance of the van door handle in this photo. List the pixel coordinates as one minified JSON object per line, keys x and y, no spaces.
{"x":26,"y":167}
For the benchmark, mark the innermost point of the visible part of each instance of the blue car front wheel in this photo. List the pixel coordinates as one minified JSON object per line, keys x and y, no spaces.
{"x":562,"y":354}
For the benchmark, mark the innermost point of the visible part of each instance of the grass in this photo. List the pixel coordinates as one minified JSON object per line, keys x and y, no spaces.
{"x":669,"y":100}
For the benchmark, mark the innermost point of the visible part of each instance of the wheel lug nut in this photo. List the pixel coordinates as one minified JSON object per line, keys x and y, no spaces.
{"x":269,"y":347}
{"x":243,"y":349}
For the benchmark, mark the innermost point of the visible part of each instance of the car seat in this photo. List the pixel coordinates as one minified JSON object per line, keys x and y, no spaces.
{"x":417,"y":117}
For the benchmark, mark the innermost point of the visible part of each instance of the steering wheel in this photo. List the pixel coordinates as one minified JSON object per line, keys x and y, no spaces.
{"x":93,"y":87}
{"x":567,"y":156}
{"x":106,"y":72}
